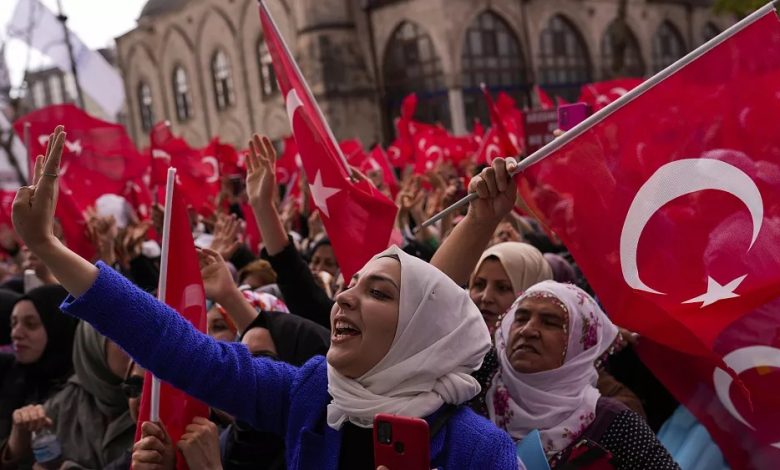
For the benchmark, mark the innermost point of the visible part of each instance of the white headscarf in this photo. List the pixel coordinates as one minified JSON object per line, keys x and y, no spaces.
{"x":561,"y":403}
{"x":440,"y":339}
{"x":524,"y":264}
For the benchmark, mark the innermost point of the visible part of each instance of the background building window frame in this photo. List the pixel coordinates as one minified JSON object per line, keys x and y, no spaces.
{"x":563,"y":61}
{"x":222,"y":78}
{"x":181,"y":94}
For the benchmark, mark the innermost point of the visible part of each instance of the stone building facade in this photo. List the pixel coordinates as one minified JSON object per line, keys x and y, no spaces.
{"x":203,"y":65}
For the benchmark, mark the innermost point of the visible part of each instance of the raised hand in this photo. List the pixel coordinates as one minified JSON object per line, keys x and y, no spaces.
{"x":217,"y":280}
{"x":226,"y":235}
{"x":497,"y":192}
{"x":261,"y":172}
{"x":33,"y":208}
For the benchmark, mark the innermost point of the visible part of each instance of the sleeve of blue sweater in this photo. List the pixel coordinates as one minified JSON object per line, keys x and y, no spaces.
{"x":223,"y":375}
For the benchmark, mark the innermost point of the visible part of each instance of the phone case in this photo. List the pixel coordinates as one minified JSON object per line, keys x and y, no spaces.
{"x":569,"y":115}
{"x":401,"y":443}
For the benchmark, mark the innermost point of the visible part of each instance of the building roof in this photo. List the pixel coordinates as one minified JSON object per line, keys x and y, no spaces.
{"x":159,"y":7}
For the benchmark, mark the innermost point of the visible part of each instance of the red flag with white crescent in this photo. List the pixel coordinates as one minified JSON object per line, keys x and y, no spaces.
{"x":356,"y":216}
{"x":670,"y":204}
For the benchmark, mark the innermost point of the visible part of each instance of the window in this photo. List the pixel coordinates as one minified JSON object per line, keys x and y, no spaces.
{"x":668,"y":46}
{"x":564,"y":64}
{"x":145,"y":106}
{"x":223,"y":80}
{"x":710,"y":31}
{"x":492,"y":55}
{"x":39,"y":94}
{"x":411,"y":65}
{"x":71,"y":92}
{"x":55,"y":89}
{"x":620,"y":54}
{"x":268,"y":83}
{"x":181,"y":94}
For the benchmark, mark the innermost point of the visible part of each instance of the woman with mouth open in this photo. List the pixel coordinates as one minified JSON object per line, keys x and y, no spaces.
{"x":404,"y":340}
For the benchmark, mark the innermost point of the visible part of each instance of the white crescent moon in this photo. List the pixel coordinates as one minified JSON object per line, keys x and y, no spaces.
{"x":742,"y":360}
{"x":671,"y":181}
{"x":491,"y":152}
{"x":394,"y":152}
{"x":292,"y":102}
{"x":432,"y":149}
{"x":212,"y":161}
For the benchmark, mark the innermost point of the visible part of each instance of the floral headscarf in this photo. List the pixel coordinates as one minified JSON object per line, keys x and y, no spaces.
{"x":561,"y":402}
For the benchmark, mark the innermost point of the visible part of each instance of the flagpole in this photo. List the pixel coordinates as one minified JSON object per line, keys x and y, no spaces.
{"x":73,"y":69}
{"x":306,"y":87}
{"x":600,"y":115}
{"x":154,"y":409}
{"x":26,"y":136}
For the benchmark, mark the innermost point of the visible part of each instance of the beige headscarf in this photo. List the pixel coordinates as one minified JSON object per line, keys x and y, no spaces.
{"x":439,"y":341}
{"x":524,"y":264}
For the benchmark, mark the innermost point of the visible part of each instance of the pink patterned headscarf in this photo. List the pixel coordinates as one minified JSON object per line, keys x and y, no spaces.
{"x":560,"y":403}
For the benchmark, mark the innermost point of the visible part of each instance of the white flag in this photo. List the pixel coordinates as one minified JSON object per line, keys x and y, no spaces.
{"x":36,"y":25}
{"x":5,"y":79}
{"x":9,"y":179}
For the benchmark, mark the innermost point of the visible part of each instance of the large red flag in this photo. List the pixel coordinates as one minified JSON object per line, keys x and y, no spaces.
{"x":98,"y":157}
{"x":600,"y":94}
{"x":198,"y":175}
{"x":506,"y":137}
{"x":185,"y":294}
{"x":670,"y":203}
{"x":357,"y":217}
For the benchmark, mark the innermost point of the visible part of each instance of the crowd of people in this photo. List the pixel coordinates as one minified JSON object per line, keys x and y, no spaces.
{"x":481,"y":324}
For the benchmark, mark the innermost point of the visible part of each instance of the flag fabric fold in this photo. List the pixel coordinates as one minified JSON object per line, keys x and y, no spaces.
{"x":670,"y":204}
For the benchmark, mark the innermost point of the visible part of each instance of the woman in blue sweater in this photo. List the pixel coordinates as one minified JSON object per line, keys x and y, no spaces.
{"x":404,"y":340}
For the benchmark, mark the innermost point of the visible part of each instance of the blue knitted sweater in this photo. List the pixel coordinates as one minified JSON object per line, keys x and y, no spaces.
{"x":271,"y":396}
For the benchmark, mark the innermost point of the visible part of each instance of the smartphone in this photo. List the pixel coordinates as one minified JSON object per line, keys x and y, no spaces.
{"x":569,"y":115}
{"x":401,"y":443}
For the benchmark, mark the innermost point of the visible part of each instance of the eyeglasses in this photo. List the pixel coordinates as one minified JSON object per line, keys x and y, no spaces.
{"x":132,"y":386}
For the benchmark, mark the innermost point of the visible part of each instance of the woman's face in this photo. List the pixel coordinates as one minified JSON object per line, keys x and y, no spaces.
{"x":259,"y":342}
{"x":538,"y":336}
{"x":28,"y":336}
{"x":492,"y":292}
{"x":364,"y":318}
{"x":323,"y":259}
{"x":218,"y":327}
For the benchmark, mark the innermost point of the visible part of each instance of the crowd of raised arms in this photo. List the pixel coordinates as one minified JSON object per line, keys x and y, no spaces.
{"x":482,"y":325}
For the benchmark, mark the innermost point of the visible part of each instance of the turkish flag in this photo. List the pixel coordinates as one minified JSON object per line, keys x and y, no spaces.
{"x":670,"y":204}
{"x":197,"y":176}
{"x":369,"y":164}
{"x":545,"y":102}
{"x":98,"y":157}
{"x":288,"y":165}
{"x":506,"y":137}
{"x":600,"y":94}
{"x":357,"y":217}
{"x":185,"y":294}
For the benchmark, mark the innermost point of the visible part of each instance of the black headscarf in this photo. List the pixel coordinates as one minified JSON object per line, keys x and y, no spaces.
{"x":24,"y":384}
{"x":296,"y":339}
{"x":56,"y":363}
{"x":8,"y":299}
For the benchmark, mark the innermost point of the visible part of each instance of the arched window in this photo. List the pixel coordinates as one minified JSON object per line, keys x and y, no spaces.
{"x":411,"y":65}
{"x":267,"y":74}
{"x":145,"y":106}
{"x":668,"y":46}
{"x":710,"y":31}
{"x":564,"y":64}
{"x":223,"y":80}
{"x":55,"y":87}
{"x":181,"y":93}
{"x":620,"y":53}
{"x":492,"y":55}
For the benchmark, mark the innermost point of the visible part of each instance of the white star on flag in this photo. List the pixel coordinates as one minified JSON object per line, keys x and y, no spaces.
{"x":716,"y":292}
{"x":320,"y":193}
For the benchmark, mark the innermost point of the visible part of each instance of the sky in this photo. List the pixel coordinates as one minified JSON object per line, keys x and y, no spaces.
{"x":96,"y":22}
